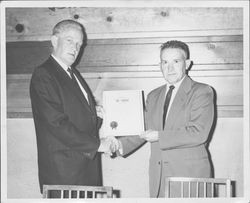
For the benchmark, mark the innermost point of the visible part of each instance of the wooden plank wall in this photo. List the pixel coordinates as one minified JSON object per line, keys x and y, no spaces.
{"x":133,"y":64}
{"x":25,"y":24}
{"x":117,"y":62}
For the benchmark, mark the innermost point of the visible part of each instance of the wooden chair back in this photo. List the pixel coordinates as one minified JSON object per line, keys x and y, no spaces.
{"x":197,"y":187}
{"x":76,"y":191}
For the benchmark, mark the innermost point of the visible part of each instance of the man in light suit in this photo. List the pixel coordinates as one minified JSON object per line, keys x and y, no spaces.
{"x":65,"y":117}
{"x":179,"y":136}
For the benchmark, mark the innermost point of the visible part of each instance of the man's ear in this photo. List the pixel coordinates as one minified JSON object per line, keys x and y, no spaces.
{"x":54,"y":39}
{"x":188,"y":63}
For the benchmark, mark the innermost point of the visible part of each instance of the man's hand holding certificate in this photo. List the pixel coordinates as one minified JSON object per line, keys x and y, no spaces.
{"x":123,"y":116}
{"x":108,"y":145}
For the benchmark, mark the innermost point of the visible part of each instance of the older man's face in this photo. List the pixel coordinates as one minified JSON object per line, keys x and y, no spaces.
{"x":173,"y":64}
{"x":67,"y":45}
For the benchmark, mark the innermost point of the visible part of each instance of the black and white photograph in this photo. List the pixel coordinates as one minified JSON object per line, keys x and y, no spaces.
{"x":135,"y":101}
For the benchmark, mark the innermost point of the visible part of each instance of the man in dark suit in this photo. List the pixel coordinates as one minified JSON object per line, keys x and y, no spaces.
{"x":65,"y":117}
{"x":179,"y":116}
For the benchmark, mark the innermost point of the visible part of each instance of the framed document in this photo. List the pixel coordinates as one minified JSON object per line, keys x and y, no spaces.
{"x":124,"y":114}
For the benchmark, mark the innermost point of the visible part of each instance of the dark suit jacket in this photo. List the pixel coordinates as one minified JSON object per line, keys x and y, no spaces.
{"x":66,"y":128}
{"x":181,"y":149}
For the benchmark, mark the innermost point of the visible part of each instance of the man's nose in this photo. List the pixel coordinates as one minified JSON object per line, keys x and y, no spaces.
{"x":75,"y":48}
{"x":170,"y":67}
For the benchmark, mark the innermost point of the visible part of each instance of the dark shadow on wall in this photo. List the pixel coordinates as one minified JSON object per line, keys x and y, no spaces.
{"x":81,"y":52}
{"x":211,"y":133}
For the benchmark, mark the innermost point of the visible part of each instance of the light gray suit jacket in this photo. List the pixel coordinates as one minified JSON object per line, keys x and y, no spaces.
{"x":181,"y":149}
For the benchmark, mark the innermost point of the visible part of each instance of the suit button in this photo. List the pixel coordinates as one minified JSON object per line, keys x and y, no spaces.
{"x":159,"y":162}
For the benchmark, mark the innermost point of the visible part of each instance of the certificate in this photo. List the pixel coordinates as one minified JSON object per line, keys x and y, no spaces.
{"x":124,"y":114}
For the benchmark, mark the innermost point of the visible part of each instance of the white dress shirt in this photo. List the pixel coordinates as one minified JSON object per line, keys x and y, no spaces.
{"x":175,"y":90}
{"x":65,"y":68}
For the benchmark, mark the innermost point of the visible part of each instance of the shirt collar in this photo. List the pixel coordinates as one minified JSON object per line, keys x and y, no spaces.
{"x":176,"y":85}
{"x":63,"y":65}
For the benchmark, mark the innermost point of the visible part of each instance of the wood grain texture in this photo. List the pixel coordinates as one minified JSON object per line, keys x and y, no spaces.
{"x":228,"y":88}
{"x":113,"y":64}
{"x":123,"y":49}
{"x":222,"y":52}
{"x":121,"y":21}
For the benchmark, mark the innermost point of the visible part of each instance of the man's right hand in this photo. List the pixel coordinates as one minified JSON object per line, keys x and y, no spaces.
{"x":109,"y":145}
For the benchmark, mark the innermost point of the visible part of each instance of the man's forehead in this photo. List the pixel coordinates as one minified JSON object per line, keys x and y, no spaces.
{"x":71,"y":33}
{"x":177,"y":52}
{"x":71,"y":30}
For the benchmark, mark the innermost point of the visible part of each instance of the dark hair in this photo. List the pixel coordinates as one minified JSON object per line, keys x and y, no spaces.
{"x":178,"y":45}
{"x":65,"y":25}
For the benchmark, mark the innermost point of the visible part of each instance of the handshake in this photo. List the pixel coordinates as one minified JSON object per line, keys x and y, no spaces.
{"x":109,"y":145}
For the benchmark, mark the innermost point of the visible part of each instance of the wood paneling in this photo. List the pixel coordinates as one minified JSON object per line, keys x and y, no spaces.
{"x":133,"y":64}
{"x":23,"y":57}
{"x":148,"y":54}
{"x":207,"y":53}
{"x":228,"y":87}
{"x":122,"y":54}
{"x":23,"y":24}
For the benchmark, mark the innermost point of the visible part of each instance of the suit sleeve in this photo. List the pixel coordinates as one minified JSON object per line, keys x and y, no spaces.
{"x":47,"y":107}
{"x":195,"y":130}
{"x":130,"y":144}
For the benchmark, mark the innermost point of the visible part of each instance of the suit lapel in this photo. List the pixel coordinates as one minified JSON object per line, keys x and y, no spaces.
{"x":67,"y":83}
{"x":91,"y":99}
{"x":155,"y":105}
{"x":178,"y":102}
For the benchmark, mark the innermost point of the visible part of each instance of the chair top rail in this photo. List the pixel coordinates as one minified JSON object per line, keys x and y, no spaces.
{"x":77,"y":187}
{"x":192,"y":179}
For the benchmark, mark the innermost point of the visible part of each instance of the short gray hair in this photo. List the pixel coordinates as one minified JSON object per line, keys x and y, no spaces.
{"x":66,"y":25}
{"x":178,"y":45}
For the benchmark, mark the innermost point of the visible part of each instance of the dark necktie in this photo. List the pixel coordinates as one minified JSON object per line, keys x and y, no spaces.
{"x":73,"y":78}
{"x":166,"y":104}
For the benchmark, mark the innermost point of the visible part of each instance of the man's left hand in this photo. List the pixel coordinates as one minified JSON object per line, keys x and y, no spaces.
{"x":100,"y":111}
